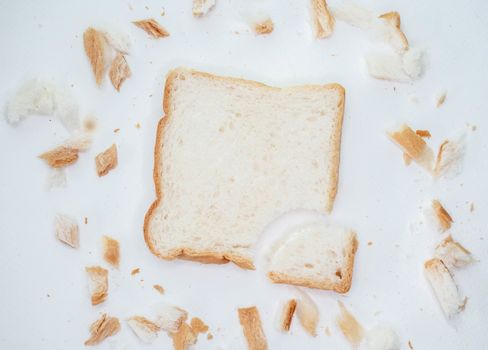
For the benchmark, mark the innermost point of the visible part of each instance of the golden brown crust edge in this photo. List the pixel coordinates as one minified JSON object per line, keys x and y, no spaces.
{"x":212,"y":257}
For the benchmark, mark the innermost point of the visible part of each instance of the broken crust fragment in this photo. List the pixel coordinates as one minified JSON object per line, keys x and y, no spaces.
{"x":97,"y":284}
{"x":184,"y":337}
{"x":413,"y":145}
{"x":67,"y":230}
{"x":119,"y":71}
{"x":198,"y":326}
{"x":443,"y":218}
{"x":106,"y":161}
{"x":449,"y":158}
{"x":103,"y":328}
{"x":349,"y":326}
{"x":169,"y":318}
{"x":152,"y":27}
{"x":159,"y":288}
{"x":453,"y":254}
{"x":322,"y":19}
{"x":111,"y":251}
{"x":264,"y":27}
{"x":60,"y":156}
{"x":202,"y":7}
{"x":308,"y":313}
{"x":144,"y":329}
{"x":252,"y":328}
{"x":95,"y":48}
{"x":286,"y":315}
{"x":394,"y":34}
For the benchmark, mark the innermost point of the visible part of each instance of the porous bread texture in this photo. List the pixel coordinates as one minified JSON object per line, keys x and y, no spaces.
{"x":316,"y":256}
{"x":231,"y":155}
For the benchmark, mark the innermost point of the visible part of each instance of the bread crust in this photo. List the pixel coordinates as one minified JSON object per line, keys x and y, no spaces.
{"x":210,"y":257}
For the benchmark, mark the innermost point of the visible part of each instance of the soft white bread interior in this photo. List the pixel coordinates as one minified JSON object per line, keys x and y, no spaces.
{"x":231,"y":155}
{"x":316,"y":255}
{"x":308,"y":313}
{"x":146,"y":330}
{"x":169,"y":317}
{"x":453,"y":254}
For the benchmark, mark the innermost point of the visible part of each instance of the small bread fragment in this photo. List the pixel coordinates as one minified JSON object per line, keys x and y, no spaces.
{"x":106,"y":161}
{"x":404,"y":67}
{"x":97,"y":284}
{"x":322,"y":19}
{"x":111,"y":251}
{"x":103,"y":328}
{"x":184,"y":337}
{"x":67,"y":230}
{"x":146,"y":330}
{"x":308,"y":313}
{"x":252,"y":328}
{"x":449,"y":161}
{"x":453,"y":254}
{"x":349,"y":326}
{"x":444,"y":220}
{"x":95,"y":49}
{"x":394,"y":35}
{"x":440,"y":99}
{"x":353,"y":14}
{"x":135,"y":271}
{"x":406,"y":159}
{"x":169,"y":317}
{"x":286,"y":315}
{"x":119,"y":71}
{"x":60,"y":156}
{"x":159,"y":288}
{"x":264,"y":27}
{"x":444,"y":287}
{"x":382,"y":338}
{"x":423,"y":133}
{"x":413,"y":145}
{"x":202,"y":7}
{"x":152,"y":27}
{"x":198,"y":326}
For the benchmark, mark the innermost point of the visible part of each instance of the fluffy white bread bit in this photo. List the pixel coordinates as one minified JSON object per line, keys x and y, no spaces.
{"x":444,"y":287}
{"x":413,"y":145}
{"x":201,"y":7}
{"x":308,"y":313}
{"x":453,"y":254}
{"x":97,"y":283}
{"x":231,"y":155}
{"x":169,"y":317}
{"x":322,"y":19}
{"x":146,"y":330}
{"x":117,"y":40}
{"x":449,"y":161}
{"x":285,"y":315}
{"x":381,"y":338}
{"x":436,"y":216}
{"x":354,"y":15}
{"x":316,"y":256}
{"x":349,"y":326}
{"x":393,"y":66}
{"x":252,"y":328}
{"x":67,"y":230}
{"x":393,"y":34}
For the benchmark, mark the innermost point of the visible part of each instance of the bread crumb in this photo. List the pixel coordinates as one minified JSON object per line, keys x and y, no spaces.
{"x":406,"y":159}
{"x":410,"y":345}
{"x":327,"y":331}
{"x":393,"y":34}
{"x":308,"y":313}
{"x":453,"y":254}
{"x":138,"y":125}
{"x":67,"y":230}
{"x":444,"y":219}
{"x":349,"y":326}
{"x":370,"y":243}
{"x":286,"y":315}
{"x":169,"y":317}
{"x":106,"y":161}
{"x":471,"y":207}
{"x":413,"y":145}
{"x":60,"y":156}
{"x":423,"y":133}
{"x":202,"y":7}
{"x":103,"y":328}
{"x":119,"y":71}
{"x":198,"y":326}
{"x":184,"y":337}
{"x":322,"y":19}
{"x":111,"y":251}
{"x":209,"y":336}
{"x":450,"y":158}
{"x":159,"y":288}
{"x":135,"y":271}
{"x":146,"y":330}
{"x":252,"y":328}
{"x":152,"y":27}
{"x":90,"y":124}
{"x":95,"y":48}
{"x":116,"y":130}
{"x":86,"y":220}
{"x":440,"y":99}
{"x":97,"y":284}
{"x":264,"y":27}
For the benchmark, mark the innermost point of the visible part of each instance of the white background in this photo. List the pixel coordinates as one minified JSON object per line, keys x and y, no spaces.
{"x":44,"y":302}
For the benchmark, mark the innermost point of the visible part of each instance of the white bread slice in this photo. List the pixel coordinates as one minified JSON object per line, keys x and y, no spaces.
{"x":453,"y":254}
{"x":231,"y":155}
{"x":444,"y":287}
{"x":316,"y":256}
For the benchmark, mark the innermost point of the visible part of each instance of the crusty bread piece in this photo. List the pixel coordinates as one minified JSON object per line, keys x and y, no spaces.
{"x":231,"y":155}
{"x":111,"y":251}
{"x":308,"y":313}
{"x":67,"y":230}
{"x":201,"y":7}
{"x":97,"y":283}
{"x":159,"y":288}
{"x":264,"y":27}
{"x":119,"y":71}
{"x":252,"y":328}
{"x":322,"y":19}
{"x":106,"y":161}
{"x":444,"y":287}
{"x":198,"y":326}
{"x":184,"y":337}
{"x":103,"y":328}
{"x":96,"y":50}
{"x":444,"y":220}
{"x":449,"y":161}
{"x":349,"y":326}
{"x":316,"y":256}
{"x":169,"y":317}
{"x":393,"y":34}
{"x":453,"y":254}
{"x":152,"y":27}
{"x":145,"y":329}
{"x":286,"y":315}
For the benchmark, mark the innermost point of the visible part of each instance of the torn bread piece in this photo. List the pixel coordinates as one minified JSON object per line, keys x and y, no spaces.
{"x":159,"y":288}
{"x":96,"y":50}
{"x":349,"y":326}
{"x":413,"y":145}
{"x":322,"y":19}
{"x":111,"y":251}
{"x":60,"y":156}
{"x":56,"y":178}
{"x":169,"y":317}
{"x":184,"y":337}
{"x":381,"y":338}
{"x":81,"y":142}
{"x":152,"y":27}
{"x":119,"y":71}
{"x":450,"y":157}
{"x":307,"y":312}
{"x":392,"y":32}
{"x":202,"y":7}
{"x":440,"y":98}
{"x":264,"y":27}
{"x":67,"y":230}
{"x":286,"y":315}
{"x":423,"y":133}
{"x":453,"y":254}
{"x":97,"y":284}
{"x":315,"y":256}
{"x":355,"y":15}
{"x":403,"y":68}
{"x":106,"y":161}
{"x":252,"y":328}
{"x":438,"y":216}
{"x":444,"y":287}
{"x":198,"y":326}
{"x":116,"y":39}
{"x":103,"y":328}
{"x":146,"y":330}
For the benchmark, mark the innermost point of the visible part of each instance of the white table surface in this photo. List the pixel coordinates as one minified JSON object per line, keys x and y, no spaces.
{"x":44,"y":301}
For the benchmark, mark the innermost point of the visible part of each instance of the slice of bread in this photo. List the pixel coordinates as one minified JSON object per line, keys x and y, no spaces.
{"x":316,"y":256}
{"x":231,"y":155}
